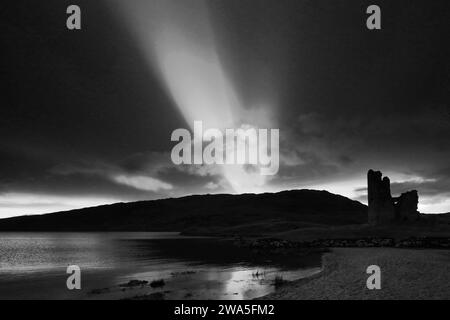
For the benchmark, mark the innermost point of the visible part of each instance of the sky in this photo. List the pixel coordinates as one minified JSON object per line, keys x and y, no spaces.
{"x":86,"y":116}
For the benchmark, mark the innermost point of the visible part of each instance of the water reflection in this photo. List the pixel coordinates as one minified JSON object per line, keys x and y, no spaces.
{"x":192,"y":268}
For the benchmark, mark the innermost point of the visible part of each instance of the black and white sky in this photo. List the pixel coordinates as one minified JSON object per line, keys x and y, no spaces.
{"x":86,"y":116}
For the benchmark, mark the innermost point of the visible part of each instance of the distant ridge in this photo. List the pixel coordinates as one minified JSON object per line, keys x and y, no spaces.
{"x":205,"y":213}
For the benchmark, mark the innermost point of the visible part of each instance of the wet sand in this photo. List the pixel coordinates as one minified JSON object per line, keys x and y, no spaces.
{"x":405,"y":274}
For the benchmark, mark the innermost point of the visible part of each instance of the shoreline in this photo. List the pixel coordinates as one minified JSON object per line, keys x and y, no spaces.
{"x":405,"y":274}
{"x":411,"y":268}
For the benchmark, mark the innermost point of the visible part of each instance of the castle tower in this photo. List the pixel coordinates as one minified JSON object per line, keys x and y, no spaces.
{"x":381,"y":205}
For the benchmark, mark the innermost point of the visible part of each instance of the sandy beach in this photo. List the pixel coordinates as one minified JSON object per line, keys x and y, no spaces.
{"x":405,"y":274}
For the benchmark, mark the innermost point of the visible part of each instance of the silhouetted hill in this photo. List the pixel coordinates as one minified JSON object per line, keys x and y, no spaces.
{"x":281,"y":211}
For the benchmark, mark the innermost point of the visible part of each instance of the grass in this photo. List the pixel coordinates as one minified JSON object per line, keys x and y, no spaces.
{"x":279,"y":281}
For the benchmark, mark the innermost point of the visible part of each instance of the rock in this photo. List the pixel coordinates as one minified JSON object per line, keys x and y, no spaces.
{"x":100,"y":291}
{"x":134,"y":283}
{"x":151,"y":296}
{"x":157,"y":283}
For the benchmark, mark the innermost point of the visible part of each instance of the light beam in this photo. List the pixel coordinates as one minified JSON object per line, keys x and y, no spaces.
{"x":178,"y":41}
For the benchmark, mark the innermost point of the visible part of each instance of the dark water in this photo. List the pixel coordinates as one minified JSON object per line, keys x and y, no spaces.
{"x":33,"y":265}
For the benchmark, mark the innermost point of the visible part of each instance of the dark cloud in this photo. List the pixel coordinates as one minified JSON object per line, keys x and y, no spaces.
{"x":437,"y":184}
{"x":81,"y":108}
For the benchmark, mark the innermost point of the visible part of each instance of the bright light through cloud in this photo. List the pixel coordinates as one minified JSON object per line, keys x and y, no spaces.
{"x":142,"y":183}
{"x":345,"y":188}
{"x":179,"y":43}
{"x":16,"y":204}
{"x":433,"y":204}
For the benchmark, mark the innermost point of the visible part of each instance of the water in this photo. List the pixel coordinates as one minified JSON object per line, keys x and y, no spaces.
{"x":33,"y":265}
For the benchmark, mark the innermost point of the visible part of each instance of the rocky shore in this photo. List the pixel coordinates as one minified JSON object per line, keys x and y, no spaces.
{"x":280,"y":244}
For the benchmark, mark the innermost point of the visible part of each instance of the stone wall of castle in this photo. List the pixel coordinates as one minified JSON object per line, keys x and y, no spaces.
{"x":383,"y":208}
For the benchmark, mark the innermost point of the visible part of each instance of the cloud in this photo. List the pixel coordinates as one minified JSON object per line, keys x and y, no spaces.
{"x":142,"y":183}
{"x":341,"y":106}
{"x":136,"y":171}
{"x":434,"y":185}
{"x":430,"y":187}
{"x":211,"y":186}
{"x":20,"y":203}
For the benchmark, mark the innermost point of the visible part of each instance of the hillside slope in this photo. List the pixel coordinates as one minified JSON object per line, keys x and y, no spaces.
{"x":283,"y":211}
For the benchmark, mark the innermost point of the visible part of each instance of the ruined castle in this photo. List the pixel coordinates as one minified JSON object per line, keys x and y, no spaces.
{"x":385,"y":209}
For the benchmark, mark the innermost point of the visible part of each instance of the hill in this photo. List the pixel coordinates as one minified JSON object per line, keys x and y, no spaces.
{"x":205,"y":214}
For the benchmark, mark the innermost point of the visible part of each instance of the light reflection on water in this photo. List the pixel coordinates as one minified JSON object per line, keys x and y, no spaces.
{"x":192,"y":268}
{"x":233,"y":283}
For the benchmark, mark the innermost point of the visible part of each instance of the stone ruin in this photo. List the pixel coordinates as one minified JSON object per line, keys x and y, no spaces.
{"x":385,"y":209}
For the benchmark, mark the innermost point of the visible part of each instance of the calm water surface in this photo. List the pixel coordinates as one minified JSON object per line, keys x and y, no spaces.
{"x":33,"y":265}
